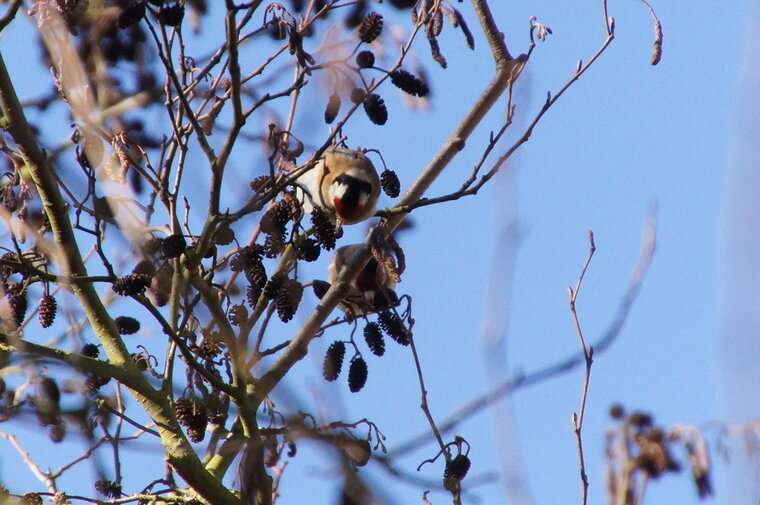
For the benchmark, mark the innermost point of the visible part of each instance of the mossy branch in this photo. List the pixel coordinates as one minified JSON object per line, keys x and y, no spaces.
{"x":179,"y":453}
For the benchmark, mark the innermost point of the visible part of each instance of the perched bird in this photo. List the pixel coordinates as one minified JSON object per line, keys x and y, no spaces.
{"x":345,"y":183}
{"x":373,"y":288}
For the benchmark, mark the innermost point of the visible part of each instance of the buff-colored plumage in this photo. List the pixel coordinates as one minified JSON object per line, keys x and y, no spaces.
{"x":345,"y":183}
{"x":373,"y":279}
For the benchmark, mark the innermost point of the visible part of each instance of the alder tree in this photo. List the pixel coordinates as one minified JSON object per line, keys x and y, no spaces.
{"x":147,"y":302}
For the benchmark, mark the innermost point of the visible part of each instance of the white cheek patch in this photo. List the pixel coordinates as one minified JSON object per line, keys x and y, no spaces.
{"x":363,"y":199}
{"x":337,"y":190}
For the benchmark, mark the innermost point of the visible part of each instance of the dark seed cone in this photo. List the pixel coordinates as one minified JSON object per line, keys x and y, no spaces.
{"x":288,"y":299}
{"x":457,"y":467}
{"x":294,"y":205}
{"x":193,"y":416}
{"x":332,"y":109}
{"x":131,"y":15}
{"x":256,"y":274}
{"x":18,"y":304}
{"x":49,"y":392}
{"x":357,"y":95}
{"x":173,"y":246}
{"x":131,"y":285}
{"x":224,"y":235}
{"x":183,"y":408}
{"x":355,"y":14}
{"x":127,"y":325}
{"x":309,"y":250}
{"x":238,"y":315}
{"x":216,"y":417}
{"x":197,"y":432}
{"x":152,"y":245}
{"x":273,"y":285}
{"x":654,"y":457}
{"x":324,"y":229}
{"x":320,"y":288}
{"x":95,"y":382}
{"x":393,"y":327}
{"x":8,"y":270}
{"x":409,"y":83}
{"x":30,"y":499}
{"x":374,"y":338}
{"x":641,"y":419}
{"x":47,"y":310}
{"x":89,"y":350}
{"x":365,"y":59}
{"x":384,"y":299}
{"x":47,"y":402}
{"x":171,"y":15}
{"x":274,"y":244}
{"x":333,"y":362}
{"x":103,"y":209}
{"x":246,"y":258}
{"x":390,"y":183}
{"x":145,"y":267}
{"x":371,"y":27}
{"x":617,"y":411}
{"x":252,"y":295}
{"x":403,"y":4}
{"x":276,"y":219}
{"x":375,"y":108}
{"x":108,"y":488}
{"x":283,"y":212}
{"x":212,"y":345}
{"x":357,"y":374}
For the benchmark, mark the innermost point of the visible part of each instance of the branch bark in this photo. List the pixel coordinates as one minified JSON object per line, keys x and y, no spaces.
{"x":179,"y":453}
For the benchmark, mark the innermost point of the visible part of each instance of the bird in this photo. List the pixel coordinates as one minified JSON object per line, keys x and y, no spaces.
{"x":345,"y":183}
{"x":372,"y":289}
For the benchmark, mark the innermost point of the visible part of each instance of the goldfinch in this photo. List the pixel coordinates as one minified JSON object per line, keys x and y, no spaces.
{"x":345,"y":183}
{"x":373,"y":288}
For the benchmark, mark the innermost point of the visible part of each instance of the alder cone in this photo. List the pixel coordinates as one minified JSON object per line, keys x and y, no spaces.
{"x":18,"y":304}
{"x":374,"y":107}
{"x":47,"y":310}
{"x":374,"y":338}
{"x":357,"y":374}
{"x":371,"y":27}
{"x":457,"y":467}
{"x":333,"y":362}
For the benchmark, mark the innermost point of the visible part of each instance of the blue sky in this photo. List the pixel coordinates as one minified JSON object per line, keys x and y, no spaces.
{"x":624,"y":136}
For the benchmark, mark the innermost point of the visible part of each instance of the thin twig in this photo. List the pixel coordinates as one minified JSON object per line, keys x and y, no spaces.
{"x":560,"y":367}
{"x":423,"y":393}
{"x":44,"y":477}
{"x":82,"y":457}
{"x":468,"y":189}
{"x":588,"y":353}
